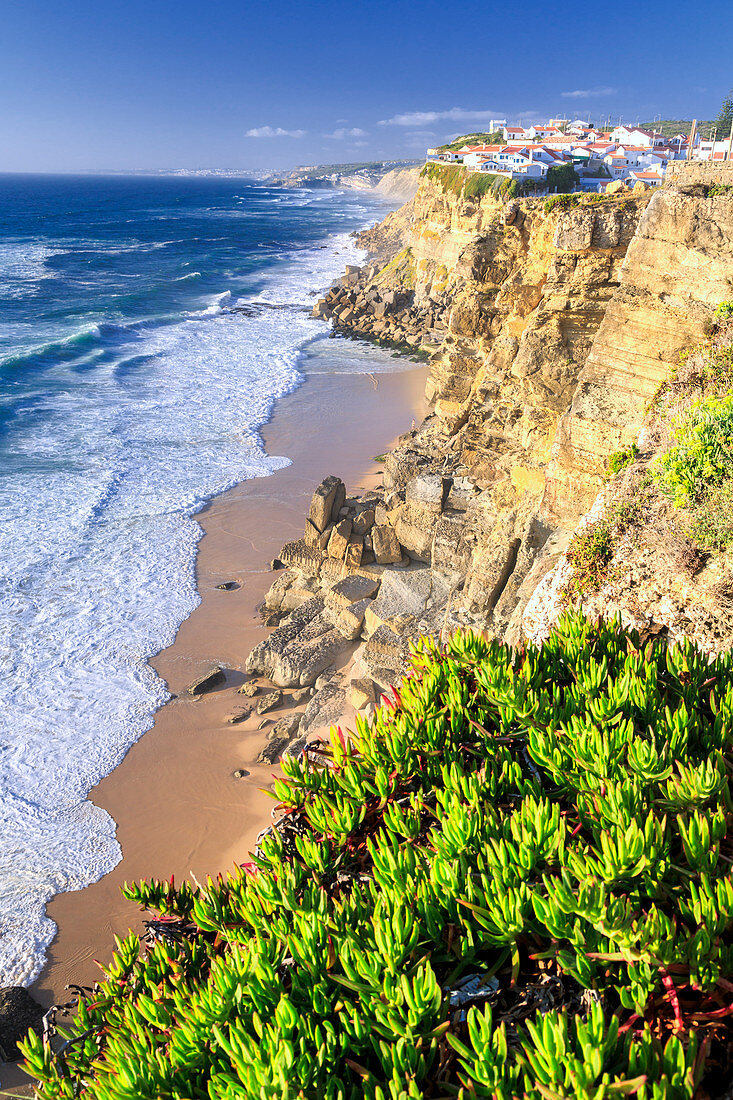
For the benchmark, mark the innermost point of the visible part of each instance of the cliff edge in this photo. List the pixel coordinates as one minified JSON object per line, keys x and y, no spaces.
{"x":555,"y":330}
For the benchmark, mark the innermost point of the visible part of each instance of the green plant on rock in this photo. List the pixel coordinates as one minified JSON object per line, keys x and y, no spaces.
{"x":592,"y":548}
{"x":711,"y":520}
{"x":514,"y":881}
{"x":619,"y":460}
{"x":561,"y":202}
{"x":701,"y":453}
{"x":724,"y":312}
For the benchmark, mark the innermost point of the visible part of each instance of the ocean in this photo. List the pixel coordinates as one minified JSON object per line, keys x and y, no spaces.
{"x":147,"y":326}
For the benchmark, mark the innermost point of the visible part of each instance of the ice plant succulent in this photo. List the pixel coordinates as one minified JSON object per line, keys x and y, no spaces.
{"x":516,"y":882}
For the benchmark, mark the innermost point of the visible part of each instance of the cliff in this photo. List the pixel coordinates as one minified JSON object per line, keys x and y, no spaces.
{"x":550,"y":327}
{"x":391,"y":178}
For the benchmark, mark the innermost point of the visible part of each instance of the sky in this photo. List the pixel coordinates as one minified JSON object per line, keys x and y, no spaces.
{"x":155,"y":85}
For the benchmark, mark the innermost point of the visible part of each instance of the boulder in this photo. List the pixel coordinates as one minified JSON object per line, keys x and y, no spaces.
{"x":300,"y":695}
{"x":386,"y":656}
{"x":349,"y":620}
{"x":350,"y":590}
{"x":414,"y":592}
{"x":339,"y":540}
{"x":287,"y":726}
{"x":385,"y":545}
{"x":363,"y":522}
{"x":364,"y":693}
{"x":263,"y":658}
{"x":414,"y":527}
{"x":302,"y":556}
{"x":325,"y":708}
{"x":273,"y":750}
{"x":249,"y":688}
{"x":270,"y":701}
{"x":427,"y":491}
{"x":240,"y":715}
{"x":310,"y":660}
{"x":321,"y":508}
{"x":18,"y":1014}
{"x":208,"y":681}
{"x":354,"y":551}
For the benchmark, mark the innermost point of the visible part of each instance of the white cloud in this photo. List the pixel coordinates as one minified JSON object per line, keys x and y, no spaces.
{"x":343,"y":132}
{"x":588,"y":93}
{"x":273,"y":131}
{"x":420,"y":118}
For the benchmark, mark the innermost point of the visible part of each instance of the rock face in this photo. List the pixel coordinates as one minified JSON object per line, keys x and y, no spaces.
{"x":549,"y":332}
{"x":677,"y":270}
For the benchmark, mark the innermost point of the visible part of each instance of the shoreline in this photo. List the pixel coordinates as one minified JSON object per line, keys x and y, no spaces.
{"x":177,"y":807}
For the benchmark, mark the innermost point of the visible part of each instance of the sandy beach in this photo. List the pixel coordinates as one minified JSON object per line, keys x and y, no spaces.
{"x":177,"y":805}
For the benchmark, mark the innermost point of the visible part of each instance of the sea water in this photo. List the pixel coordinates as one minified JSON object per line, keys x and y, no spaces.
{"x":147,"y":326}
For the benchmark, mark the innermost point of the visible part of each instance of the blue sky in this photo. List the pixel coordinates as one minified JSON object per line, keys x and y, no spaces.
{"x":257,"y":84}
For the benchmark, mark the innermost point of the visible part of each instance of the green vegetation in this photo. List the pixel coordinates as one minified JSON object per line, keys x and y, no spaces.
{"x":470,"y":185}
{"x":702,"y":452}
{"x":696,"y":469}
{"x":561,"y":202}
{"x":711,"y":524}
{"x":494,"y":138}
{"x":725,"y":118}
{"x":562,"y":178}
{"x":670,"y":127}
{"x":513,"y":882}
{"x":592,"y":548}
{"x":400,"y":271}
{"x":619,"y":460}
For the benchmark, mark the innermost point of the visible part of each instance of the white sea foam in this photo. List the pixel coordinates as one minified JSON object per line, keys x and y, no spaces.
{"x":108,"y":474}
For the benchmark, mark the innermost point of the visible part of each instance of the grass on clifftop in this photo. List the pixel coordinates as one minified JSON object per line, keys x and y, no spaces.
{"x":470,"y":185}
{"x":513,"y":882}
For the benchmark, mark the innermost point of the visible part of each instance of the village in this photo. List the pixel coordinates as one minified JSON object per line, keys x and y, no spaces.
{"x":626,"y":156}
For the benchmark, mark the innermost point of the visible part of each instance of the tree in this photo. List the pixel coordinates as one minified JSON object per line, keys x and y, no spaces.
{"x":725,"y":118}
{"x":562,"y":178}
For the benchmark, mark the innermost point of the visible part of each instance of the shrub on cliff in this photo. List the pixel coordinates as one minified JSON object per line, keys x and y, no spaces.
{"x":514,"y":881}
{"x":702,"y":452}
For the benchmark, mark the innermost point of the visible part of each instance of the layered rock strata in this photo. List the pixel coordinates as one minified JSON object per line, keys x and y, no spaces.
{"x":549,"y":332}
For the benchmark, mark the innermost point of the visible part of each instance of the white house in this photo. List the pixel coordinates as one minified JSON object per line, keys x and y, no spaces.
{"x":543,"y":133}
{"x":633,"y":135}
{"x":651,"y":179}
{"x":515,"y":133}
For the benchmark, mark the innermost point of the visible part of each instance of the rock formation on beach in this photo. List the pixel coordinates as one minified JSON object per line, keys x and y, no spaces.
{"x":550,"y":328}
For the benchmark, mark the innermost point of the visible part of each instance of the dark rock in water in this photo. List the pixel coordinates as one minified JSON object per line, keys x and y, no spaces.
{"x":241,"y":773}
{"x":227,"y":586}
{"x":18,"y":1013}
{"x":276,"y":564}
{"x":211,"y":679}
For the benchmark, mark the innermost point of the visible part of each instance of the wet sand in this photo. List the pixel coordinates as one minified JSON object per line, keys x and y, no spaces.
{"x":178,"y":807}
